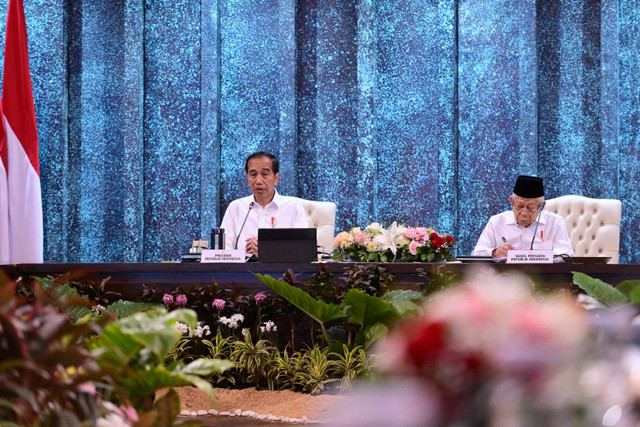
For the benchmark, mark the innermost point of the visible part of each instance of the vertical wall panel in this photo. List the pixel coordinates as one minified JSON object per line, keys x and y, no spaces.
{"x":497,"y":107}
{"x":630,"y":129}
{"x":575,"y":153}
{"x":48,"y":66}
{"x":96,"y":85}
{"x":147,"y":110}
{"x":249,"y":89}
{"x":414,"y":112}
{"x":365,"y":165}
{"x":328,"y":100}
{"x":609,"y":97}
{"x":133,"y":132}
{"x":210,"y":118}
{"x":172,"y":128}
{"x":74,"y":144}
{"x":287,"y":106}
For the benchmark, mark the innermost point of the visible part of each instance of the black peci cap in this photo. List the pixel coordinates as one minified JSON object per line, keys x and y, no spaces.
{"x":529,"y":187}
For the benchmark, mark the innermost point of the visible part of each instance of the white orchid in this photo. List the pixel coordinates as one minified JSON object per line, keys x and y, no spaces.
{"x":237,"y":318}
{"x":202,"y":330}
{"x":184,"y":329}
{"x":270,"y":326}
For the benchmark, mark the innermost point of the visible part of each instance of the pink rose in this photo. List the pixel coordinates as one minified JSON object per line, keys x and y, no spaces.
{"x":167,"y":299}
{"x":361,"y":238}
{"x":422,"y":232}
{"x":410,"y":233}
{"x":181,"y":300}
{"x":259,"y":297}
{"x":218,"y":304}
{"x":413,"y":247}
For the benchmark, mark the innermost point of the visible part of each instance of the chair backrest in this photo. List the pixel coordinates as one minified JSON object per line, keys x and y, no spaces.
{"x":593,"y":224}
{"x":322,"y":216}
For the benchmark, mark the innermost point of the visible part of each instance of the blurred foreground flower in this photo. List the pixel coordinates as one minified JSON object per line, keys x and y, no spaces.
{"x":488,"y":353}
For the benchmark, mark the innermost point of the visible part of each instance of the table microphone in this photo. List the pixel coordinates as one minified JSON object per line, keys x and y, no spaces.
{"x":537,"y":223}
{"x":244,"y":222}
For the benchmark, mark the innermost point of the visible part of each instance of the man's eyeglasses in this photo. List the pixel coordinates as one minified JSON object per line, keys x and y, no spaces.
{"x":528,"y":208}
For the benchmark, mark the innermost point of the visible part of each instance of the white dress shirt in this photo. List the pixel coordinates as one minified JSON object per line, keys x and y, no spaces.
{"x":551,"y":234}
{"x":281,"y":212}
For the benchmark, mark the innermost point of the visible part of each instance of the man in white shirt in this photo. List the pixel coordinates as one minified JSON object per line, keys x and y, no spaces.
{"x":264,"y":209}
{"x":515,"y":229}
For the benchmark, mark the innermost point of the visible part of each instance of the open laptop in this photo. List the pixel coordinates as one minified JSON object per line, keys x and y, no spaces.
{"x":287,"y":245}
{"x":473,"y":259}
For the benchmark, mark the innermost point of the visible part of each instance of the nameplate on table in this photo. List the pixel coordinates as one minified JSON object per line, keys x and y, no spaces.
{"x":535,"y":256}
{"x":222,"y":255}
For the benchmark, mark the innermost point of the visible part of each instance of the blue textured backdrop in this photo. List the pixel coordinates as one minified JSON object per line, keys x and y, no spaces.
{"x":422,"y":113}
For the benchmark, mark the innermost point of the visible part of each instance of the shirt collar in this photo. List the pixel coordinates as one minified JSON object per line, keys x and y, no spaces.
{"x":276,"y":201}
{"x":511,"y":218}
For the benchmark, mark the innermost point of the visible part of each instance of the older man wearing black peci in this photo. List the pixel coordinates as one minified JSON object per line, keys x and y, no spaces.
{"x":265,"y":208}
{"x":514,"y":229}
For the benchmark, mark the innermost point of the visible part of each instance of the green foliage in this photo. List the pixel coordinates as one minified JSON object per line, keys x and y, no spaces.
{"x":371,"y":334}
{"x":404,"y":302}
{"x":68,"y":299}
{"x":284,"y":370}
{"x":634,"y":295}
{"x":630,"y":288}
{"x":221,"y":348}
{"x":134,"y":349}
{"x":371,"y":279}
{"x":365,"y":310}
{"x":601,"y":291}
{"x":319,"y":310}
{"x":81,"y":308}
{"x":181,"y":350}
{"x":436,"y":277}
{"x":94,"y":291}
{"x":372,"y":314}
{"x":317,"y":371}
{"x":44,"y":365}
{"x":252,"y":360}
{"x":123,"y":308}
{"x":349,"y":365}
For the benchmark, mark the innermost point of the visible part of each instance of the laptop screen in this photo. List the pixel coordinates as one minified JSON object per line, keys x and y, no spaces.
{"x":287,"y":245}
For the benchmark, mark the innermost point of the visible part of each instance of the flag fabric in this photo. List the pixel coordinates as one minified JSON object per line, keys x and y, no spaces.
{"x":25,"y":234}
{"x":4,"y":196}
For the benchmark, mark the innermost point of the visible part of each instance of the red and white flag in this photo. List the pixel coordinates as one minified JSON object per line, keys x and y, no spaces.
{"x":4,"y":196}
{"x":22,"y":166}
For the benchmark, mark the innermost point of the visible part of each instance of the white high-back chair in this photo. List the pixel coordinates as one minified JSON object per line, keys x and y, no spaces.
{"x":322,"y":216}
{"x":593,"y":224}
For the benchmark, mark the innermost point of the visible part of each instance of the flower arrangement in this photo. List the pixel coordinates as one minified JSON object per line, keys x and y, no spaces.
{"x":395,"y":243}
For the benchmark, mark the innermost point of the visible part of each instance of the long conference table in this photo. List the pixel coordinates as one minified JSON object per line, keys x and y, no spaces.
{"x":128,"y":279}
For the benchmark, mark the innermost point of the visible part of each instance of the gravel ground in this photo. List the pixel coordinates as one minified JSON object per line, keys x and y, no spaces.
{"x":280,"y":403}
